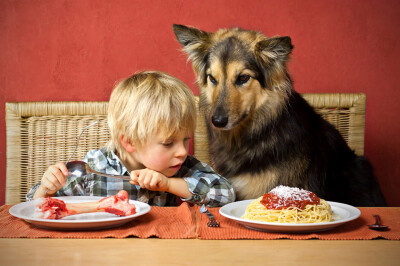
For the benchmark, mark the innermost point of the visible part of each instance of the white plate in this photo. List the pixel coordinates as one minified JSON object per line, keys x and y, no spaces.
{"x":87,"y":221}
{"x":343,"y":213}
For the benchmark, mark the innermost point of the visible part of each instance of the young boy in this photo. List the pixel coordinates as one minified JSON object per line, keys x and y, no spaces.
{"x":151,"y":116}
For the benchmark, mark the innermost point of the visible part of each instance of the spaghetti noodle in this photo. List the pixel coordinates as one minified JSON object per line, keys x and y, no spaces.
{"x":289,"y":205}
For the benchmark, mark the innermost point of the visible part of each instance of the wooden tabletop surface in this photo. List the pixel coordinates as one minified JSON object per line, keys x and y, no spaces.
{"x":153,"y":251}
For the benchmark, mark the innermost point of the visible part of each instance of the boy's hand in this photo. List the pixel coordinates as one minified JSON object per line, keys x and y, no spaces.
{"x":150,"y":179}
{"x":54,"y":178}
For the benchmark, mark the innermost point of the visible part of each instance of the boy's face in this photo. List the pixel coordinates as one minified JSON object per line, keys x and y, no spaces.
{"x":164,"y":156}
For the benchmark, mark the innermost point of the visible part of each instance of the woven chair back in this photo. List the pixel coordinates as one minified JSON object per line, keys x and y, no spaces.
{"x":40,"y":134}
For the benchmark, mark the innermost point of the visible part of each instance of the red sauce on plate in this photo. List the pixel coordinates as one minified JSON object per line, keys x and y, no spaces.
{"x":283,"y":197}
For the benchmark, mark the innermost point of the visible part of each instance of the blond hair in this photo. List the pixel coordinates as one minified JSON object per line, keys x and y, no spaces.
{"x":149,"y":103}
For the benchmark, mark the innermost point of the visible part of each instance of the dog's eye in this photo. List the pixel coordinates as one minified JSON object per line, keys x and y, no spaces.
{"x":212,"y":79}
{"x":242,"y":79}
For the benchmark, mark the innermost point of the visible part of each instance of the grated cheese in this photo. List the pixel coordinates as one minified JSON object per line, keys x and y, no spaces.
{"x":292,"y":193}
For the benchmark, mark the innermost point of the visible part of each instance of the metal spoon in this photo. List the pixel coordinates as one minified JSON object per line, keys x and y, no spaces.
{"x":79,"y":168}
{"x":76,"y":145}
{"x":377,"y":225}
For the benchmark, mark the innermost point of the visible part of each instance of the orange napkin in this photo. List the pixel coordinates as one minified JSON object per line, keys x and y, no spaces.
{"x":187,"y":222}
{"x":161,"y":222}
{"x":354,"y":230}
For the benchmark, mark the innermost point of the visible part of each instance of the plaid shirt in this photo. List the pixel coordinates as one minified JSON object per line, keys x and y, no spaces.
{"x":206,"y":186}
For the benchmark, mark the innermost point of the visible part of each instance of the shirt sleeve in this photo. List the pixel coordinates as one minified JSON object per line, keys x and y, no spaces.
{"x":205,"y":184}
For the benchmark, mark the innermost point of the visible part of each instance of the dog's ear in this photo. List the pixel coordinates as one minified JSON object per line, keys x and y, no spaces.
{"x":275,"y":49}
{"x":195,"y":43}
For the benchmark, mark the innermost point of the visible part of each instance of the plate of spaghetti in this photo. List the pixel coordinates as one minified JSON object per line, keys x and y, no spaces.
{"x":288,"y":209}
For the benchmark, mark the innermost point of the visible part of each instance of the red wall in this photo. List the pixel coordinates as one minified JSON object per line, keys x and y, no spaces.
{"x":76,"y":50}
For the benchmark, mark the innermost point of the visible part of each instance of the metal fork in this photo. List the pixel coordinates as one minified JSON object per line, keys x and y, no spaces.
{"x":212,"y":222}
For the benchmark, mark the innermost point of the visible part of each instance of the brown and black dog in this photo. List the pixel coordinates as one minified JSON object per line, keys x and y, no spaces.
{"x":262,"y":133}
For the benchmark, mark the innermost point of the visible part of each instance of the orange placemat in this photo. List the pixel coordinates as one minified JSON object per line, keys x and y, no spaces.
{"x":161,"y":222}
{"x":354,"y":230}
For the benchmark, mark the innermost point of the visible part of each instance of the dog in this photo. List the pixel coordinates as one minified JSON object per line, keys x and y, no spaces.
{"x":261,"y":132}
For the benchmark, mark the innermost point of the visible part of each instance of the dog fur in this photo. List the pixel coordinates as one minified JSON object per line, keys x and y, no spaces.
{"x":261,"y":132}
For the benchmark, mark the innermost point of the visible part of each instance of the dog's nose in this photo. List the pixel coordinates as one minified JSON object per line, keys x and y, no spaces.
{"x":219,"y":121}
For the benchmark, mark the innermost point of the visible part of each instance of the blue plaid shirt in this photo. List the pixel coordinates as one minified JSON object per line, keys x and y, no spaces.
{"x":206,"y":186}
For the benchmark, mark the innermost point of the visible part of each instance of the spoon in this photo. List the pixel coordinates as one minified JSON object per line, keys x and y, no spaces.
{"x":76,"y":145}
{"x":377,"y":225}
{"x":79,"y":169}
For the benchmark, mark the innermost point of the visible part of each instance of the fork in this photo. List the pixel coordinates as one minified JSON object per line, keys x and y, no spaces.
{"x":212,"y":222}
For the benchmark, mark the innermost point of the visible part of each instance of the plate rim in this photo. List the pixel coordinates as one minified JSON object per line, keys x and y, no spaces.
{"x":300,"y":226}
{"x":143,"y":209}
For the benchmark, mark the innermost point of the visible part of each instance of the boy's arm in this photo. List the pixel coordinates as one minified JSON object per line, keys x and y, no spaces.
{"x":206,"y":185}
{"x":73,"y":187}
{"x":179,"y":187}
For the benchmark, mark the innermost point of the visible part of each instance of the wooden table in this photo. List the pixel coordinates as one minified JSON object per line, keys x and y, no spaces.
{"x":134,"y":251}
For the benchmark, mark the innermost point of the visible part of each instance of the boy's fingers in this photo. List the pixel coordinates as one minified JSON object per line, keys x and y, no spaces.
{"x":63,"y":168}
{"x":55,"y":182}
{"x":142,"y":177}
{"x":134,"y":177}
{"x":62,"y":179}
{"x":154,"y":182}
{"x":49,"y":185}
{"x":147,"y":180}
{"x":140,"y":181}
{"x":58,"y":175}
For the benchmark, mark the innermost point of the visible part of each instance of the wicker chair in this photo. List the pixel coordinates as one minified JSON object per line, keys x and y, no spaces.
{"x":42,"y":133}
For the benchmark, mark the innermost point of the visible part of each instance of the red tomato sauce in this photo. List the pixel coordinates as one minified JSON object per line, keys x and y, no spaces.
{"x":299,"y":199}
